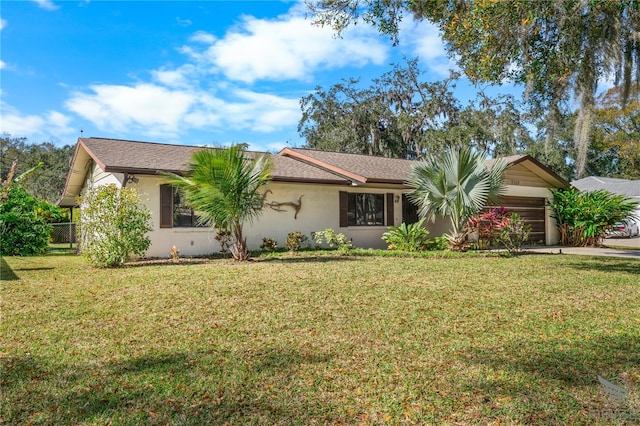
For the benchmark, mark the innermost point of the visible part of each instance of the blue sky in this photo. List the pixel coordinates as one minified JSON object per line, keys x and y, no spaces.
{"x":185,"y":72}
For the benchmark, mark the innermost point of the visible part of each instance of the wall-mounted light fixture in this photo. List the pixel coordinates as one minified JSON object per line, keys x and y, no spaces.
{"x":132,"y":179}
{"x":397,"y":198}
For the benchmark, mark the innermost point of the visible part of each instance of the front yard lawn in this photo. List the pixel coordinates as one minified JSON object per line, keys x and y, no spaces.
{"x":313,"y":339}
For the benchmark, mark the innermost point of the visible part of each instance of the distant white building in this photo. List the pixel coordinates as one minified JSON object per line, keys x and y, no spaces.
{"x":627,"y":187}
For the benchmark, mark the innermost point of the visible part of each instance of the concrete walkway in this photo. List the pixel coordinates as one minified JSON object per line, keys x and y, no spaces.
{"x":588,"y":251}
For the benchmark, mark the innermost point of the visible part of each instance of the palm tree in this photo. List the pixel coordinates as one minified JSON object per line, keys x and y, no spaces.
{"x":457,"y":184}
{"x":223,"y":186}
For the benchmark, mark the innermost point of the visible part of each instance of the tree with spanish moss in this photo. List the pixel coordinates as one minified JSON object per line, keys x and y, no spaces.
{"x":556,"y":49}
{"x":614,"y":148}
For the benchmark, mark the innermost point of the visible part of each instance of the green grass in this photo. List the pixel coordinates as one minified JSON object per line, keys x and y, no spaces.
{"x":312,"y":339}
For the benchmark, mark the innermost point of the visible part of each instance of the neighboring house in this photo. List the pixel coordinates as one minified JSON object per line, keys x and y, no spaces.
{"x":627,"y":187}
{"x":355,"y":194}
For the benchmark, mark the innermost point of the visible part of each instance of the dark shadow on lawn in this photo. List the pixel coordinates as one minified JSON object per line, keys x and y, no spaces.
{"x":190,"y":388}
{"x":606,"y":264}
{"x":44,"y":268}
{"x":168,"y":262}
{"x":540,"y":375}
{"x":305,"y":259}
{"x":574,"y":362}
{"x":6,"y":273}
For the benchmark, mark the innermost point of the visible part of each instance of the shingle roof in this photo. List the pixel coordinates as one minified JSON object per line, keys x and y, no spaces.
{"x":630,"y":188}
{"x":290,"y":165}
{"x":115,"y":155}
{"x":124,"y":155}
{"x":288,"y":169}
{"x":512,"y":159}
{"x":356,"y":166}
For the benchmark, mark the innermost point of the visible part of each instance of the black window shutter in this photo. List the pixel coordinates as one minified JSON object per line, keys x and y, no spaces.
{"x":344,"y":209}
{"x":389,"y":209}
{"x":166,"y":206}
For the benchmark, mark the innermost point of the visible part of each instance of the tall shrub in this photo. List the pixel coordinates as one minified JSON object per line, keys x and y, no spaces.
{"x":584,"y":217}
{"x":113,"y":225}
{"x":513,"y":234}
{"x":24,"y":228}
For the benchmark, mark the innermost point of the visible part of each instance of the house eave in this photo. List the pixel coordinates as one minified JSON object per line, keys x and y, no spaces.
{"x":140,"y":171}
{"x":305,"y":180}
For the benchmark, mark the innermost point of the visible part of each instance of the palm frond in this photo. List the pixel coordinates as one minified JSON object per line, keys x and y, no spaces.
{"x":224,"y":186}
{"x":457,"y":185}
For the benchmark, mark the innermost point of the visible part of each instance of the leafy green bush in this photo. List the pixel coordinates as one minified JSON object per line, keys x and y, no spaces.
{"x":584,"y":217}
{"x":295,"y":241}
{"x":437,"y":244}
{"x":333,"y":240}
{"x":113,"y":225}
{"x":405,"y":237}
{"x":51,"y":213}
{"x":24,"y":229}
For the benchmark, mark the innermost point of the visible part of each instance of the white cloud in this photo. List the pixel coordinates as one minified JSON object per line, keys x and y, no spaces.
{"x":3,"y":24}
{"x":422,"y":39}
{"x":288,"y":47}
{"x":156,"y":111}
{"x":146,"y":108}
{"x":37,"y":128}
{"x":262,"y":112}
{"x":213,"y":90}
{"x":202,"y":37}
{"x":183,"y":76}
{"x":183,"y":22}
{"x":47,"y":4}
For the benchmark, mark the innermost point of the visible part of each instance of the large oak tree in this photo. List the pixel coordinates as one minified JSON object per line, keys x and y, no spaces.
{"x":557,"y":48}
{"x":400,"y":114}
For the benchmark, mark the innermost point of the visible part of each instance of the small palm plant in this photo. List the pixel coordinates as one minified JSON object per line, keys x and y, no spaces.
{"x":457,"y":184}
{"x":223,"y":185}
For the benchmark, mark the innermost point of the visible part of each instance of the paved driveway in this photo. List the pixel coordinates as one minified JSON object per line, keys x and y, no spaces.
{"x":633,"y":243}
{"x":633,"y":252}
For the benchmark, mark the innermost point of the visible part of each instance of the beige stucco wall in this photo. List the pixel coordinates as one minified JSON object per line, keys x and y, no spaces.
{"x":320,"y":210}
{"x":190,"y":241}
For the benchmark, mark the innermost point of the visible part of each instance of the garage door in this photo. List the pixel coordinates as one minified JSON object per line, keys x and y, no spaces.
{"x":531,"y":210}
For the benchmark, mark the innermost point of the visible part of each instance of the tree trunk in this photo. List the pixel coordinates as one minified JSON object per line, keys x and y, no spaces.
{"x":239,"y":249}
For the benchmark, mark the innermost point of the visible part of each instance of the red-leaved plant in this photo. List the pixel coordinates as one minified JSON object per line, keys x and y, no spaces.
{"x":488,"y":225}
